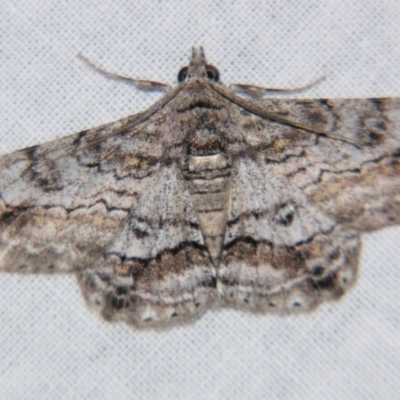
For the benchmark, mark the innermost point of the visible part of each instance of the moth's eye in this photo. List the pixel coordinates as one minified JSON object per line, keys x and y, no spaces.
{"x":182,"y":74}
{"x":212,"y":73}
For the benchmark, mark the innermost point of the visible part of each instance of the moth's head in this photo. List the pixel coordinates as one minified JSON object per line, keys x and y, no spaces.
{"x":198,"y":68}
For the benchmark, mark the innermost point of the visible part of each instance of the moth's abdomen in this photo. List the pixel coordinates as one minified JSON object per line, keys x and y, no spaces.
{"x":208,"y":179}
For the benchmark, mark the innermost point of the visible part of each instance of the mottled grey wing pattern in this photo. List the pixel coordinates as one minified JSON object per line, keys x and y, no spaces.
{"x":63,"y":202}
{"x":111,"y":205}
{"x":206,"y":198}
{"x":359,"y":187}
{"x":282,"y":252}
{"x":59,"y":209}
{"x":158,"y":267}
{"x":299,"y":200}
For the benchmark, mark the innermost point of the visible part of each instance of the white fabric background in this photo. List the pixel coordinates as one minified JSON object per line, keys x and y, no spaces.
{"x":51,"y":345}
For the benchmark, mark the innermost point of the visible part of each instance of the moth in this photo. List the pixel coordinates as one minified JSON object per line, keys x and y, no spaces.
{"x":208,"y":198}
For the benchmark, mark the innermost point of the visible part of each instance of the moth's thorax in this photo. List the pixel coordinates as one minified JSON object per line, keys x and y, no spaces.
{"x":198,"y":94}
{"x":207,"y":172}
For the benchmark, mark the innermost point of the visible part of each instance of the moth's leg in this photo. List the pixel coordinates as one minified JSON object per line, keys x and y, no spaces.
{"x":140,"y":84}
{"x":258,"y":91}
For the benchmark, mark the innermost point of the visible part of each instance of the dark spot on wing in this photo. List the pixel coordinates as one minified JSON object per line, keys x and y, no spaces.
{"x":326,"y":282}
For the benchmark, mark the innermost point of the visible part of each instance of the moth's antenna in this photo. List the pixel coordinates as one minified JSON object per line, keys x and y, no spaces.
{"x":258,"y":91}
{"x":140,"y":84}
